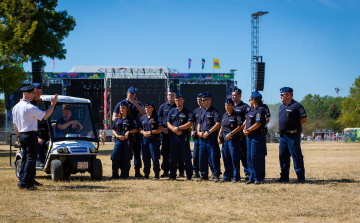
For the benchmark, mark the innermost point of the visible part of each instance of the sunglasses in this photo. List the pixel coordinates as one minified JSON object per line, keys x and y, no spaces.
{"x":282,"y":95}
{"x":203,"y":100}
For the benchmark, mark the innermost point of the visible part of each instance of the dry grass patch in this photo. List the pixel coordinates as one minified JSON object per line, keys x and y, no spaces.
{"x":331,"y":194}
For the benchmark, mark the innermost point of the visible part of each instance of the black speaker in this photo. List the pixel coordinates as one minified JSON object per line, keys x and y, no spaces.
{"x":36,"y":72}
{"x":259,"y":76}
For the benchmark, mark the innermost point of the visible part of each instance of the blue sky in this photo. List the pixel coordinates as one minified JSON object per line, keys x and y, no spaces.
{"x":310,"y":45}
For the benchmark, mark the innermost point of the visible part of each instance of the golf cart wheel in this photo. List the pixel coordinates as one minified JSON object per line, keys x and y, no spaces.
{"x":17,"y":167}
{"x":57,"y":171}
{"x":96,"y":169}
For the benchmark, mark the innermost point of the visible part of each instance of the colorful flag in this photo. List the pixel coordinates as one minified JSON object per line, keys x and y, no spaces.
{"x":203,"y":63}
{"x":216,"y":64}
{"x":53,"y":63}
{"x":189,"y":63}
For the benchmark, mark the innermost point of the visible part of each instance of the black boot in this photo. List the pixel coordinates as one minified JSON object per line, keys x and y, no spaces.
{"x":137,"y":173}
{"x":146,"y":176}
{"x":165,"y":174}
{"x":157,"y":177}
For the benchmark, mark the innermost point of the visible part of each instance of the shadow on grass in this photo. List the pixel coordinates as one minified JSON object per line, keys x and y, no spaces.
{"x":312,"y":181}
{"x":6,"y":153}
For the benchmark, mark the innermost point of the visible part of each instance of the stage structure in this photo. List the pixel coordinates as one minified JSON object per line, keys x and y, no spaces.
{"x":257,"y":68}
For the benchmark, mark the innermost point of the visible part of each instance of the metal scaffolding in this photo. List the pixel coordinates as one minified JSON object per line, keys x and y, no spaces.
{"x":255,"y":45}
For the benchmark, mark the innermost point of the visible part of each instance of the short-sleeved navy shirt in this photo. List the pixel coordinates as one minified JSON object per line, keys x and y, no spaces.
{"x":163,"y":112}
{"x":290,"y":115}
{"x":230,"y":122}
{"x":178,"y":118}
{"x":133,"y":110}
{"x":256,"y":115}
{"x":121,"y":126}
{"x":148,"y":124}
{"x":209,"y":118}
{"x":267,"y":110}
{"x":241,"y":109}
{"x":69,"y":129}
{"x":196,"y":117}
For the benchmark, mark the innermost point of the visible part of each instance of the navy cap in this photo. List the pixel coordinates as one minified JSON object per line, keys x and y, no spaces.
{"x":171,"y":90}
{"x":206,"y":95}
{"x":238,"y":90}
{"x":256,"y":95}
{"x":149,"y":103}
{"x":28,"y":88}
{"x":37,"y":85}
{"x":200,"y":95}
{"x":132,"y":90}
{"x":286,"y":89}
{"x":123,"y":102}
{"x":230,"y":101}
{"x":178,"y":96}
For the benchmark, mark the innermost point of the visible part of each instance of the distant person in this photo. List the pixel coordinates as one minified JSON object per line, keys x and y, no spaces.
{"x":102,"y":137}
{"x":67,"y":125}
{"x":322,"y":136}
{"x":292,"y":116}
{"x":313,"y":136}
{"x":337,"y":137}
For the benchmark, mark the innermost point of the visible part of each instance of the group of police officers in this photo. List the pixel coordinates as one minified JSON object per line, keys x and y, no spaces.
{"x":241,"y":131}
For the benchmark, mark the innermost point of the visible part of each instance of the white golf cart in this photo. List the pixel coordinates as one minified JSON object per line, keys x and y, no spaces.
{"x":70,"y":149}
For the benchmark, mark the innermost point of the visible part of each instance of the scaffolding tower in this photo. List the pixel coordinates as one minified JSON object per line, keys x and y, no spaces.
{"x":255,"y":45}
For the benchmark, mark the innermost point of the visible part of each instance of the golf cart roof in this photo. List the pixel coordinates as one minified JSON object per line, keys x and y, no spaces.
{"x":65,"y":99}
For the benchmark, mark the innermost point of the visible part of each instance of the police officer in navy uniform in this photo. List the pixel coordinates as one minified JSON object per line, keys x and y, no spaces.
{"x":165,"y":148}
{"x":292,"y":116}
{"x":179,"y":122}
{"x":25,"y":121}
{"x":123,"y":127}
{"x":241,"y":109}
{"x":256,"y":138}
{"x":208,"y":131}
{"x":229,"y":136}
{"x":196,"y":118}
{"x":150,"y":128}
{"x":136,"y":107}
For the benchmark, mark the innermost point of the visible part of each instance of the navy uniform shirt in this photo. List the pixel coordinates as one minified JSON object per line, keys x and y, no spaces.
{"x":230,"y":122}
{"x":209,"y":118}
{"x":256,"y":115}
{"x":178,"y":118}
{"x":148,"y":124}
{"x":164,"y":111}
{"x":241,"y":109}
{"x":196,"y":117}
{"x":69,"y":129}
{"x":133,"y":110}
{"x":267,"y":110}
{"x":34,"y":102}
{"x":121,"y":126}
{"x":290,"y":115}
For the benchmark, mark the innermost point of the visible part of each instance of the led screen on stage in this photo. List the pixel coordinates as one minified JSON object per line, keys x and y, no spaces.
{"x":190,"y":91}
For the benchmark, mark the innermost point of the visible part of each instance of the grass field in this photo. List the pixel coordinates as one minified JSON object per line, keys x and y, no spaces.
{"x":331,"y":194}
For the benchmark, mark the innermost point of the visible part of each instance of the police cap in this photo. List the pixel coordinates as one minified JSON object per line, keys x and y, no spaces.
{"x":256,"y":95}
{"x":28,"y":88}
{"x":206,"y":95}
{"x":238,"y":90}
{"x":286,"y":89}
{"x":132,"y":90}
{"x":200,"y":95}
{"x":124,"y":102}
{"x":149,"y":103}
{"x":171,"y":90}
{"x":37,"y":85}
{"x":229,"y":101}
{"x":178,"y":96}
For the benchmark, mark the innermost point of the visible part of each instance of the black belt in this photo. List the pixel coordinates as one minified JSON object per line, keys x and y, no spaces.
{"x":295,"y":131}
{"x":29,"y":132}
{"x":154,"y":136}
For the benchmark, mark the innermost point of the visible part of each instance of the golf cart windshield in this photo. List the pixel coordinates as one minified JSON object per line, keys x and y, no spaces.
{"x":72,"y":121}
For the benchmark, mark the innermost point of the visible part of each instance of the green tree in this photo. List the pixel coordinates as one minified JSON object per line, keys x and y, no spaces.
{"x":53,"y":27}
{"x":16,"y":29}
{"x":350,"y":112}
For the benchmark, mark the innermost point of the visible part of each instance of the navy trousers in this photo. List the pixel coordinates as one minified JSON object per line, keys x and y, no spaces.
{"x":244,"y":155}
{"x":180,"y":149}
{"x":29,"y":143}
{"x":165,"y":152}
{"x":209,"y":148}
{"x":290,"y":146}
{"x":151,"y":151}
{"x":256,"y":154}
{"x":231,"y":157}
{"x":121,"y":158}
{"x":195,"y":155}
{"x":137,"y":152}
{"x":41,"y":152}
